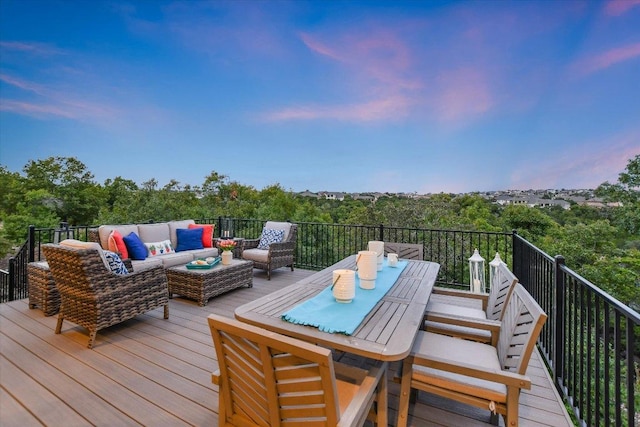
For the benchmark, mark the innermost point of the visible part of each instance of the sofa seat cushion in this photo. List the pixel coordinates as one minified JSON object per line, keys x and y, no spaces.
{"x":154,"y":232}
{"x":258,"y":255}
{"x":146,"y":264}
{"x":176,"y":258}
{"x":104,"y":231}
{"x":204,"y":253}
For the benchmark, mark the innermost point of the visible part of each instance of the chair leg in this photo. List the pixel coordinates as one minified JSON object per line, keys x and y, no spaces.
{"x":382,"y":401}
{"x":513,"y":399}
{"x":59,"y":325}
{"x":92,"y":338}
{"x":405,"y":392}
{"x":166,"y":311}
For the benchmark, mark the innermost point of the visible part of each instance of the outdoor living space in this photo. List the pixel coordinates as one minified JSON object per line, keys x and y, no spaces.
{"x":155,"y":371}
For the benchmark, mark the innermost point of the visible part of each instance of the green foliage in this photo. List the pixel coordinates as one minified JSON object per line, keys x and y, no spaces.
{"x":601,"y":244}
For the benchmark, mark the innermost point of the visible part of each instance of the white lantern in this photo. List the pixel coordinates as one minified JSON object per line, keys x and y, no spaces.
{"x":476,"y":273}
{"x":493,"y":269}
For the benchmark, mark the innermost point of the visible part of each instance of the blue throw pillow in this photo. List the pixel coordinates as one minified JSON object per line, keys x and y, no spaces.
{"x":135,"y":247}
{"x":270,"y":236}
{"x":189,"y":239}
{"x":115,"y":263}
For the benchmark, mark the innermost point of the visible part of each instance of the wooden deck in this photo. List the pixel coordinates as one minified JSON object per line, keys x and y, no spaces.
{"x":151,"y":371}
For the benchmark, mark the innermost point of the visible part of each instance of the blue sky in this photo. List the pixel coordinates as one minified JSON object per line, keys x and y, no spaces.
{"x":417,"y":96}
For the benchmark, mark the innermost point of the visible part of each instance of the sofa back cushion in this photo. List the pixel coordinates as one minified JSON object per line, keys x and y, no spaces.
{"x":153,"y":232}
{"x":105,"y":230}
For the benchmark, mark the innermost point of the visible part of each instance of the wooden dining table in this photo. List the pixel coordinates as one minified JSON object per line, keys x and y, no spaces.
{"x":386,"y":333}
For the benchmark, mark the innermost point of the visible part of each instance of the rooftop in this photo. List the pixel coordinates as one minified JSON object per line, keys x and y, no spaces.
{"x":151,"y":371}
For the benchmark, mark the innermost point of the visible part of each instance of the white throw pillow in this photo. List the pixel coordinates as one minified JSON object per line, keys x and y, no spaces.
{"x":159,"y":248}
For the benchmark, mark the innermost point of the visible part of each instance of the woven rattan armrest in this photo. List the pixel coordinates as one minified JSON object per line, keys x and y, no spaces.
{"x":250,"y":243}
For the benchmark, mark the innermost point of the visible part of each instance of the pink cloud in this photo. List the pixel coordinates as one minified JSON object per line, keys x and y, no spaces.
{"x":381,"y":109}
{"x":462,"y":93}
{"x":619,"y":7}
{"x":52,"y":103}
{"x":593,"y":164}
{"x":34,"y":110}
{"x":610,"y":58}
{"x":34,"y":48}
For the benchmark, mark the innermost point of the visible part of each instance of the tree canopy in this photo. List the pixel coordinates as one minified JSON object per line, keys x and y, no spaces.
{"x":602,"y":244}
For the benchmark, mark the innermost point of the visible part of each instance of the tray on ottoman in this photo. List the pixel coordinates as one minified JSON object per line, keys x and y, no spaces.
{"x":202,"y":284}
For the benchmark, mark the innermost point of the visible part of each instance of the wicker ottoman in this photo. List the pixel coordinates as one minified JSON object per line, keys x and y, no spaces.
{"x":42,"y":290}
{"x":201,"y":285}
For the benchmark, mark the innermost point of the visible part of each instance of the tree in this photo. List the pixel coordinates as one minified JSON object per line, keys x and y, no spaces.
{"x":76,"y":197}
{"x":627,"y":191}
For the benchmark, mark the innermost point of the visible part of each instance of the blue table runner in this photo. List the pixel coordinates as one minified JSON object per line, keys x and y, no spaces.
{"x":328,"y":315}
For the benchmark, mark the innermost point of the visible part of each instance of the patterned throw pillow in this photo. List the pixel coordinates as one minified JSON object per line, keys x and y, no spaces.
{"x":115,"y":263}
{"x":270,"y":236}
{"x":159,"y":248}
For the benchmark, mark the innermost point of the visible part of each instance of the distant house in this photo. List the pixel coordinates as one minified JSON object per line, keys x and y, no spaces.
{"x":532,"y":202}
{"x":307,"y":193}
{"x":330,"y":195}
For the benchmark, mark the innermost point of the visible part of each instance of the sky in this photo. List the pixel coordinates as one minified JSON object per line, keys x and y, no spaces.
{"x":356,"y":96}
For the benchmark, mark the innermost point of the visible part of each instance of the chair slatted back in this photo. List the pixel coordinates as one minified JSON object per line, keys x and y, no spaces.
{"x":521,"y":326}
{"x":501,"y":289}
{"x":405,"y":250}
{"x":267,"y":379}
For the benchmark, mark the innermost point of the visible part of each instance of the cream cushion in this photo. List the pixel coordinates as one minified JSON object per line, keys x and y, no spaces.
{"x":174,"y":225}
{"x":459,"y":351}
{"x":286,"y":226}
{"x":154,"y":232}
{"x":104,"y":231}
{"x":259,"y":255}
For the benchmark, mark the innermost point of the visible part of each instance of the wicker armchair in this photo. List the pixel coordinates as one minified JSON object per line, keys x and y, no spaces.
{"x":278,"y":255}
{"x":94,"y":297}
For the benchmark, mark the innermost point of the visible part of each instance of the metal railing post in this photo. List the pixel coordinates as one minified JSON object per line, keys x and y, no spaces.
{"x":12,"y":279}
{"x":32,"y":243}
{"x":558,"y":351}
{"x":381,"y":237}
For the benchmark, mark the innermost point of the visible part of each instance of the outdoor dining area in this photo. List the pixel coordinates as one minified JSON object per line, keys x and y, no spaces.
{"x":369,"y":340}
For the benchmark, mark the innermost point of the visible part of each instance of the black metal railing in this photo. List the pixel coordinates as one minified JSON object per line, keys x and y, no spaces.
{"x":591,"y":341}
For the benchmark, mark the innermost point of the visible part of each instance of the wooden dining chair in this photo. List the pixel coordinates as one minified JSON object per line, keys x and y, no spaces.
{"x":449,"y":316}
{"x":268,"y":379}
{"x":405,"y":250}
{"x":476,"y":373}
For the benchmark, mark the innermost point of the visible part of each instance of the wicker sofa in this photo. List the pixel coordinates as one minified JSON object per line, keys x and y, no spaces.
{"x":156,"y":232}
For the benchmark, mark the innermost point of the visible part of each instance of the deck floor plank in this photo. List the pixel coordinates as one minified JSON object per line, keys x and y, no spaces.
{"x":155,"y":371}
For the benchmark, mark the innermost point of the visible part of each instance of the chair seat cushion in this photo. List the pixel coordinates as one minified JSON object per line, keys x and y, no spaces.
{"x":460,"y":351}
{"x":258,"y":255}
